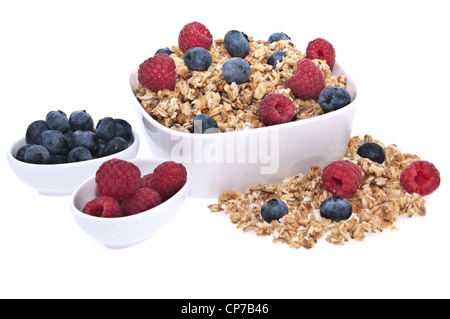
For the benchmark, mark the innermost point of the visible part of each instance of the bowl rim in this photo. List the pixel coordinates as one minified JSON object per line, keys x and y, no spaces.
{"x":180,"y":134}
{"x":75,"y":210}
{"x":10,"y":155}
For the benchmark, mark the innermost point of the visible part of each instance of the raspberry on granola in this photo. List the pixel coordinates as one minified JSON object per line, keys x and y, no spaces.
{"x":377,"y":204}
{"x":232,"y":106}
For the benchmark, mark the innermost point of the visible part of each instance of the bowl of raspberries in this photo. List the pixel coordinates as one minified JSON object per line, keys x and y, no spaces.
{"x":60,"y":151}
{"x":237,"y":110}
{"x":126,"y":202}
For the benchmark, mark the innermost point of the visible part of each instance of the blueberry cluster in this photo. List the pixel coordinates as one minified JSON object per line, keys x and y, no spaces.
{"x":372,"y":151}
{"x":205,"y":124}
{"x":333,"y":98}
{"x":60,"y":139}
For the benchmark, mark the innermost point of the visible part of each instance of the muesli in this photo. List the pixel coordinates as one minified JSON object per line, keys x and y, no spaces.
{"x":233,"y":106}
{"x":379,"y":202}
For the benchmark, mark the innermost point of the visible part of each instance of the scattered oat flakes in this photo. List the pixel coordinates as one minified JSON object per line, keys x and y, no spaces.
{"x":376,"y":206}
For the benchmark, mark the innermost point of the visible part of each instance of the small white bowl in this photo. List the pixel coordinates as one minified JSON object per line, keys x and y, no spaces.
{"x":122,"y":232}
{"x":241,"y":159}
{"x":61,"y":179}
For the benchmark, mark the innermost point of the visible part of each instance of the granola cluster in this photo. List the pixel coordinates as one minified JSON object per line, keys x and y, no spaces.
{"x":376,"y":206}
{"x":234,"y":107}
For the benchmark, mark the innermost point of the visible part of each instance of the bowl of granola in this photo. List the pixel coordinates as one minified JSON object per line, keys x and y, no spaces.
{"x":244,"y":149}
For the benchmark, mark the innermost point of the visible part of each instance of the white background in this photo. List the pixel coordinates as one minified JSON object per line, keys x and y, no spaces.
{"x":73,"y":55}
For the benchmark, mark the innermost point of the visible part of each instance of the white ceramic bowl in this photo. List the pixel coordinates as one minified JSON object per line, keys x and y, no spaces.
{"x":241,"y":159}
{"x":122,"y":232}
{"x":61,"y":179}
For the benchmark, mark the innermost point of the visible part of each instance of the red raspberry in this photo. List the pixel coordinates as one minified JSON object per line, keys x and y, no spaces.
{"x":168,"y":178}
{"x":323,"y":50}
{"x":342,"y":178}
{"x":145,"y":181}
{"x":308,"y":82}
{"x":103,"y":207}
{"x":117,"y":178}
{"x":158,"y":73}
{"x":420,"y":177}
{"x":193,"y":35}
{"x":140,"y":201}
{"x":276,"y":109}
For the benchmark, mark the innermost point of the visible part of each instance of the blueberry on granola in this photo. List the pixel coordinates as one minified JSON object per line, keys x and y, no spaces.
{"x":333,"y":98}
{"x":205,"y":124}
{"x":197,"y":59}
{"x":57,"y":120}
{"x":273,"y":210}
{"x":275,"y":57}
{"x":277,"y":36}
{"x":166,"y":51}
{"x":372,"y":151}
{"x":336,"y":208}
{"x":236,"y":43}
{"x":236,"y":70}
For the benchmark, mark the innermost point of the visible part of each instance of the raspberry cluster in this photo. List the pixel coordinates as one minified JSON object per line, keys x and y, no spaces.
{"x":124,"y":191}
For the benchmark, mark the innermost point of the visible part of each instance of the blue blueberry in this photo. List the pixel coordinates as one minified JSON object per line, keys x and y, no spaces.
{"x":124,"y":129}
{"x":106,"y":128}
{"x":113,"y":146}
{"x":205,"y":124}
{"x":336,"y":208}
{"x":277,"y":36}
{"x":87,"y":139}
{"x":236,"y":70}
{"x":57,"y":120}
{"x":37,"y":154}
{"x":55,"y":142}
{"x":81,"y":120}
{"x":79,"y":154}
{"x":68,"y":135}
{"x":34,"y":131}
{"x":333,"y":98}
{"x":58,"y":159}
{"x":275,"y":57}
{"x":20,"y":154}
{"x":372,"y":151}
{"x":236,"y":43}
{"x":273,"y":210}
{"x":197,"y":59}
{"x":166,"y":51}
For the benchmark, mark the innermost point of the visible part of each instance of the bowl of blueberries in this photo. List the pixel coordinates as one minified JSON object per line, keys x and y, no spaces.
{"x":59,"y":152}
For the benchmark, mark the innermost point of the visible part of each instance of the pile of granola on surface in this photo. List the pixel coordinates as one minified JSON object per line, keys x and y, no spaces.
{"x":233,"y":106}
{"x":377,"y":205}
